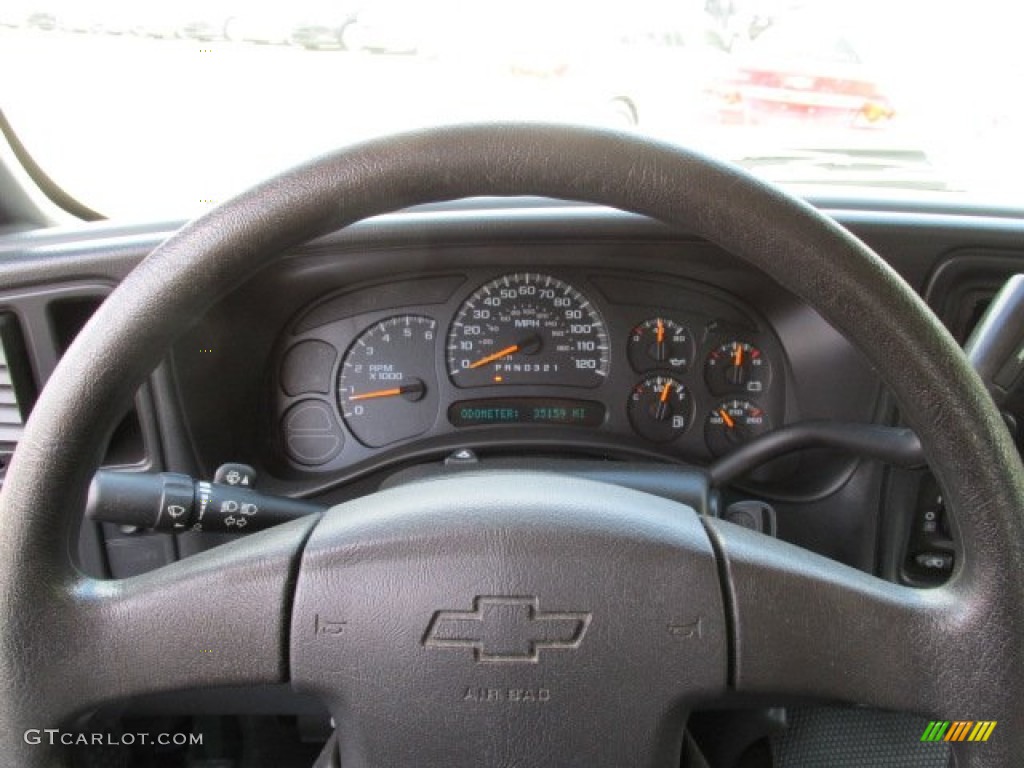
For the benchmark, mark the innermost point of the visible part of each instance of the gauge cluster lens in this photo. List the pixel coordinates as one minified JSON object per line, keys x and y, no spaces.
{"x":529,"y":349}
{"x":387,"y":387}
{"x":527,"y":328}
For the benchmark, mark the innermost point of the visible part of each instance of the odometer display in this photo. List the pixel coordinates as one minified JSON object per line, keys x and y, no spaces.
{"x":527,"y":328}
{"x":526,"y":410}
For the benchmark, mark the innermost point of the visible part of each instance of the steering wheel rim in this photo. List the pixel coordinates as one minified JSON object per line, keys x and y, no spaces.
{"x":961,"y":644}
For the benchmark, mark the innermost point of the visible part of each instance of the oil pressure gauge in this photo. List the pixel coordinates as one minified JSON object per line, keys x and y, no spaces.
{"x":660,"y":408}
{"x":660,"y":343}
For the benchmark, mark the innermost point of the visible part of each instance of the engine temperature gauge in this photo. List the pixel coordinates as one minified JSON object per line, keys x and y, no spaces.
{"x":660,"y":408}
{"x":733,"y":423}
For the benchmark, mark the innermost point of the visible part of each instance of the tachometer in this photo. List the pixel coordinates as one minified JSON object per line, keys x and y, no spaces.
{"x":527,"y":328}
{"x":387,"y":389}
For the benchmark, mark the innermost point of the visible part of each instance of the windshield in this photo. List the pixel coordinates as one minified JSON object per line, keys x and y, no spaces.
{"x":164,"y":109}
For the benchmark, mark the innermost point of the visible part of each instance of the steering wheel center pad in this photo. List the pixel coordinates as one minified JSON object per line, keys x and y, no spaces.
{"x":534,"y":611}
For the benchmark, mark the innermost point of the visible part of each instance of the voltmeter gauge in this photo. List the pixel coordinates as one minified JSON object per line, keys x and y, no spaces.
{"x":732,"y":423}
{"x":660,"y":408}
{"x":660,"y":343}
{"x":737,"y":366}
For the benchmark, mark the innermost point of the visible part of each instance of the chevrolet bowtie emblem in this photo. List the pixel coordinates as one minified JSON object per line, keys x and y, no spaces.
{"x":507,"y":629}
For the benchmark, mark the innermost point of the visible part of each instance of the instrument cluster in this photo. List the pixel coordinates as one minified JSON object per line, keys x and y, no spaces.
{"x":647,"y":363}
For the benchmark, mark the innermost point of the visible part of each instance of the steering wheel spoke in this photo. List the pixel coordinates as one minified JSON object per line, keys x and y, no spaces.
{"x":216,"y":619}
{"x":805,"y":625}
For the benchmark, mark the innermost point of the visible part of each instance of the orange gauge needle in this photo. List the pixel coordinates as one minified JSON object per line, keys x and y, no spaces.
{"x":379,"y":393}
{"x":665,"y":391}
{"x":661,"y":331}
{"x":414,"y":387}
{"x":726,"y":418}
{"x":495,"y":356}
{"x":737,"y":358}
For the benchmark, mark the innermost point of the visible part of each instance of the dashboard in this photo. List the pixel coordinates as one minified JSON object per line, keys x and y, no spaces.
{"x":511,"y":331}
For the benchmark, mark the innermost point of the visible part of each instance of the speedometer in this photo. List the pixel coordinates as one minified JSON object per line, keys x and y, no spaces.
{"x":527,"y":328}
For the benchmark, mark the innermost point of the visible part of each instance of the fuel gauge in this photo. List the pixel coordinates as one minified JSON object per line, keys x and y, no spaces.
{"x":660,"y":408}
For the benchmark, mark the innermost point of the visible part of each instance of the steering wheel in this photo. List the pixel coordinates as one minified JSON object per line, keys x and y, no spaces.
{"x":514,"y":619}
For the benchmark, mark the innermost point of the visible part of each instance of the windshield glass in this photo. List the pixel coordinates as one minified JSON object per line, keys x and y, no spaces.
{"x":164,"y":109}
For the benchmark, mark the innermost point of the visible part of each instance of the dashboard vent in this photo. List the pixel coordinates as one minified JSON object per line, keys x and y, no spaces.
{"x":16,"y":388}
{"x":11,"y":421}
